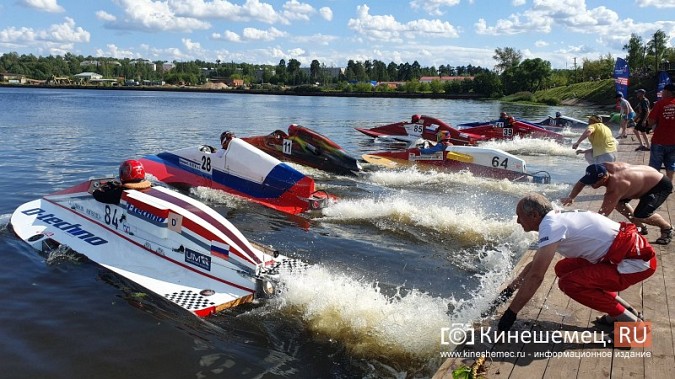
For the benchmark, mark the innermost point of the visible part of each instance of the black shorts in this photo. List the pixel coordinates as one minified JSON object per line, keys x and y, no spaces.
{"x":653,"y":199}
{"x":642,"y":127}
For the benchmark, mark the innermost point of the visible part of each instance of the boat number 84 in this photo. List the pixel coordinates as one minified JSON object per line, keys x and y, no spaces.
{"x":500,"y":163}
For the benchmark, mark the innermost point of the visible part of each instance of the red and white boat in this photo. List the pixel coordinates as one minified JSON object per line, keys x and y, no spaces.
{"x":508,"y":129}
{"x":169,"y":243}
{"x":423,"y":127}
{"x":480,"y":161}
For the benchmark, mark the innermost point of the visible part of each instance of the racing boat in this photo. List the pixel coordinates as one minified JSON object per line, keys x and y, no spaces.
{"x":306,"y":147}
{"x":167,"y":242}
{"x":480,"y":161}
{"x":501,"y":129}
{"x":423,"y":127}
{"x":559,"y":122}
{"x":242,"y":170}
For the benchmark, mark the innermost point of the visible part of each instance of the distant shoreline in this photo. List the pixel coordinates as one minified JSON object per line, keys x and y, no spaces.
{"x":402,"y":95}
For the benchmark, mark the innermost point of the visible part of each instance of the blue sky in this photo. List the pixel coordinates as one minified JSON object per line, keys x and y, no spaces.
{"x":433,"y":32}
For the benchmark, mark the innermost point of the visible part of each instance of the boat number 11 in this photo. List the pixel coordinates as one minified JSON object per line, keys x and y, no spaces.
{"x":287,"y":147}
{"x":497,"y":163}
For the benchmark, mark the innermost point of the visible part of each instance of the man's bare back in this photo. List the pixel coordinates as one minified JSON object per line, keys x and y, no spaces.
{"x":628,"y":181}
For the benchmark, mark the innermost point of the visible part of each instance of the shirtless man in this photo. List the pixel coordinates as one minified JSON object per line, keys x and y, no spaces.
{"x":625,"y":182}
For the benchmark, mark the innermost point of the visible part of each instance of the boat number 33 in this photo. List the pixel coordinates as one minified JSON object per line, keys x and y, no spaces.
{"x":496,"y":162}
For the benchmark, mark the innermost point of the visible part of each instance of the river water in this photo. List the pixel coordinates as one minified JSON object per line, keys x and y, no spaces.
{"x":400,"y":256}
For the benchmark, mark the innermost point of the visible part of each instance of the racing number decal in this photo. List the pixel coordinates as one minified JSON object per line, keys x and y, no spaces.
{"x":175,"y":222}
{"x":287,"y":146}
{"x":508,"y":132}
{"x":206,"y":163}
{"x":418,"y":129}
{"x":497,"y":163}
{"x":111,"y":217}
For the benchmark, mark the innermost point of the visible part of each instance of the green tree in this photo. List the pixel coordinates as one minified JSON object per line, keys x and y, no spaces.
{"x":636,"y":52}
{"x":657,"y":47}
{"x":507,"y":58}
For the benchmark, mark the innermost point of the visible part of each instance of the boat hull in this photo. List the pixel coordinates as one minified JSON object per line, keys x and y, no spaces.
{"x":484,"y":162}
{"x":499,"y":130}
{"x":306,"y":147}
{"x":243,"y":171}
{"x":427,"y":128}
{"x":173,"y":245}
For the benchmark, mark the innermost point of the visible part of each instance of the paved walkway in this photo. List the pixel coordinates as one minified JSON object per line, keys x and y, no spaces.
{"x":551,"y":310}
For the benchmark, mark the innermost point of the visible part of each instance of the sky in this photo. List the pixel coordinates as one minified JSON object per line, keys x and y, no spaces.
{"x":431,"y":32}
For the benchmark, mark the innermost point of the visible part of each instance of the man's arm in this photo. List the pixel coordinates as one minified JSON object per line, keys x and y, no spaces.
{"x":575,"y":191}
{"x":534,"y":276}
{"x":609,"y":202}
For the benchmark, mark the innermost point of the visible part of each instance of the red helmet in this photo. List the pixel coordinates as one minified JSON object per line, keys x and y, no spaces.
{"x":131,"y":171}
{"x":415,"y":118}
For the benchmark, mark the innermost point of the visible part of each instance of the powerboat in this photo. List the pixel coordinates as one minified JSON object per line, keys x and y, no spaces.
{"x":242,"y":170}
{"x":306,"y":147}
{"x":423,"y":127}
{"x":169,"y":243}
{"x":503,"y":129}
{"x":560,"y":122}
{"x":480,"y":161}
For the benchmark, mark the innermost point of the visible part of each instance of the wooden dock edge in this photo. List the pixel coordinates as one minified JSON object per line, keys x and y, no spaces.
{"x":551,"y":310}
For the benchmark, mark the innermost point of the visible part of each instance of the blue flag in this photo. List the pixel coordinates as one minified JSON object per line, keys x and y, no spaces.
{"x":664,"y":79}
{"x":621,"y":75}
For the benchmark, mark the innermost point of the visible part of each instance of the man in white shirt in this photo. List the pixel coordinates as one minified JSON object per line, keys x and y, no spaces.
{"x":602,"y":257}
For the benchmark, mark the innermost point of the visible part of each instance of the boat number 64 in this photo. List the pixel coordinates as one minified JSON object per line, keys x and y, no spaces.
{"x":497,"y":163}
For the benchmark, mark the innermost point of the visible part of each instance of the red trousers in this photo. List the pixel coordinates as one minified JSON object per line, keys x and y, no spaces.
{"x":596,"y":285}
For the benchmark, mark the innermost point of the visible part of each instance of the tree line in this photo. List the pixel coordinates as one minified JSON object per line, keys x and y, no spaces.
{"x":511,"y":73}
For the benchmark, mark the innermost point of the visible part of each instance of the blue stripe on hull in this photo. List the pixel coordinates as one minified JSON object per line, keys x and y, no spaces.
{"x":278,"y":181}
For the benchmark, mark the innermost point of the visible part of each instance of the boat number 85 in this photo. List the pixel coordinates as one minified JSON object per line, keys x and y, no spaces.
{"x":206,"y":163}
{"x":497,"y":163}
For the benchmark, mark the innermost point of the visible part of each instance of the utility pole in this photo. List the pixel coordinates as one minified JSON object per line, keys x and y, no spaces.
{"x":576,"y":77}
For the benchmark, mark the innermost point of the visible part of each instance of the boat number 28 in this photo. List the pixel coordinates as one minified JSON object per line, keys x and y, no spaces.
{"x":206,"y":163}
{"x":496,"y":162}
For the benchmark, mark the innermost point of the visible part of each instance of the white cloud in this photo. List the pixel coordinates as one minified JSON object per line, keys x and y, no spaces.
{"x":227,"y":36}
{"x":295,"y":10}
{"x":154,"y":16}
{"x":50,"y":6}
{"x":191,"y":46}
{"x":57,"y":39}
{"x":433,"y":7}
{"x":517,"y":3}
{"x":386,"y":28}
{"x":326,"y":13}
{"x":316,"y":39}
{"x":656,"y":3}
{"x":116,"y":52}
{"x":251,"y":10}
{"x":541,"y":43}
{"x":105,"y":16}
{"x":253,"y":34}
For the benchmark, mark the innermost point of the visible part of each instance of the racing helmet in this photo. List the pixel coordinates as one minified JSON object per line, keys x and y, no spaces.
{"x":415,"y":118}
{"x":558,"y":114}
{"x":132,"y":170}
{"x":226,"y":135}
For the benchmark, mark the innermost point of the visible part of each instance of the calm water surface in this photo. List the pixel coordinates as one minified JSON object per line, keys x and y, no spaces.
{"x":400,"y":256}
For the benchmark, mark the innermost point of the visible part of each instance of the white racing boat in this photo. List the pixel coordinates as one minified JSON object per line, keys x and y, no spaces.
{"x":169,"y":243}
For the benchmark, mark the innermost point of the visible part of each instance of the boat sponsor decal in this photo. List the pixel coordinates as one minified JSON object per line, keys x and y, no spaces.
{"x":198,"y":259}
{"x":89,"y":212}
{"x":72,"y":229}
{"x":190,"y":164}
{"x":145,"y":215}
{"x":437,"y":156}
{"x":221,"y":250}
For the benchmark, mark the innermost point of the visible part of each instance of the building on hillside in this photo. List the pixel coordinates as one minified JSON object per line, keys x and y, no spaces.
{"x":6,"y":77}
{"x":86,"y":77}
{"x":429,"y":79}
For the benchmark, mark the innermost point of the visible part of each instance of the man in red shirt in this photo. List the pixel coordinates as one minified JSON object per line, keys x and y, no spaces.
{"x":662,"y":119}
